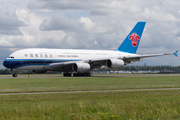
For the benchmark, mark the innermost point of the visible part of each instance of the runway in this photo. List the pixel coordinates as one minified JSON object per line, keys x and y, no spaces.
{"x":101,"y":75}
{"x":127,"y":90}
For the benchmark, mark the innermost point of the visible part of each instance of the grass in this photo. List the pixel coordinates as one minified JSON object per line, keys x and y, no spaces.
{"x":86,"y":84}
{"x":124,"y":105}
{"x":142,"y":105}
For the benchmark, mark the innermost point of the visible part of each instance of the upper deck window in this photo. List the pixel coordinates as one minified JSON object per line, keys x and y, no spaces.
{"x":26,"y":55}
{"x":46,"y":55}
{"x":31,"y":55}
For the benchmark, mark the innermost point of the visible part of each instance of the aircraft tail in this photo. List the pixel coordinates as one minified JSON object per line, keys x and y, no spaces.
{"x":131,"y":43}
{"x":175,"y":53}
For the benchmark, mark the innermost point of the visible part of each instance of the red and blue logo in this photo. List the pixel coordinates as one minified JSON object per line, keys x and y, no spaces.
{"x":134,"y":38}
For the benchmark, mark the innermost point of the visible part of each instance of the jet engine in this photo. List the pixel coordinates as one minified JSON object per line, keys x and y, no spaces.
{"x":115,"y":63}
{"x":39,"y":71}
{"x":81,"y":67}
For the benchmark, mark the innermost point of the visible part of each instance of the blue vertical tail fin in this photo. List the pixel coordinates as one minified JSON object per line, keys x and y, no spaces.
{"x":131,"y":43}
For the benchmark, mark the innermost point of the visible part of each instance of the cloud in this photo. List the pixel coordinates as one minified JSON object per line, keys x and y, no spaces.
{"x":58,"y":22}
{"x":87,"y":24}
{"x":9,"y":23}
{"x":82,"y":25}
{"x":157,"y":16}
{"x":67,"y":4}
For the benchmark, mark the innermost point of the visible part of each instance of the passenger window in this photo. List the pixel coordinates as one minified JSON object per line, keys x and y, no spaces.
{"x":26,"y":55}
{"x":46,"y":55}
{"x":36,"y":55}
{"x":31,"y":55}
{"x":41,"y":55}
{"x":50,"y":55}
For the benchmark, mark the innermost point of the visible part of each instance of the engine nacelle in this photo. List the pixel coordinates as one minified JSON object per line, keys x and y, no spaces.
{"x":39,"y":71}
{"x":81,"y":67}
{"x":115,"y":63}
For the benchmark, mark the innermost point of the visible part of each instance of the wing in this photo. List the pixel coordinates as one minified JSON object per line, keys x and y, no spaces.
{"x":66,"y":66}
{"x":97,"y":63}
{"x":131,"y":59}
{"x":59,"y":66}
{"x":127,"y":59}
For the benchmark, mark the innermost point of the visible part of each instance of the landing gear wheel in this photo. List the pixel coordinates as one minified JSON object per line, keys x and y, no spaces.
{"x":90,"y":74}
{"x":67,"y":74}
{"x":14,"y":75}
{"x":82,"y":74}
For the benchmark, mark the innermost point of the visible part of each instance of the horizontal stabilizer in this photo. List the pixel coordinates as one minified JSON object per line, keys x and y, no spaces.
{"x":175,"y":53}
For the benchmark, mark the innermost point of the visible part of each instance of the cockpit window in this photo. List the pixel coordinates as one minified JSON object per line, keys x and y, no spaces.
{"x":11,"y":57}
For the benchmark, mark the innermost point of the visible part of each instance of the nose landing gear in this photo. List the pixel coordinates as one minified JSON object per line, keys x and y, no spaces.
{"x":14,"y":73}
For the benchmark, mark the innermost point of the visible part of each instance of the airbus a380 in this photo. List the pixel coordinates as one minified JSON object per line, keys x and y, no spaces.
{"x":79,"y":62}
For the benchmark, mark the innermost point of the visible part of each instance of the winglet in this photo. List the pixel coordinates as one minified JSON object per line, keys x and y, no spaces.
{"x":175,"y":53}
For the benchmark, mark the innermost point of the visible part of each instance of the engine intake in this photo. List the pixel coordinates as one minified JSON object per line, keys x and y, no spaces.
{"x":81,"y":67}
{"x":115,"y":63}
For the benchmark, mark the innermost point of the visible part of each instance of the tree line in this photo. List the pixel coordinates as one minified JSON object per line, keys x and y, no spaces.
{"x":152,"y":68}
{"x":125,"y":68}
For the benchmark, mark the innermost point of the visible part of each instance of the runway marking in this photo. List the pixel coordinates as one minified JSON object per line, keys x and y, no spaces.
{"x":34,"y":93}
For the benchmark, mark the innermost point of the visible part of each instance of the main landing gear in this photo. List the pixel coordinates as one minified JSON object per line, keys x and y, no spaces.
{"x":82,"y":74}
{"x":78,"y":74}
{"x":67,"y":74}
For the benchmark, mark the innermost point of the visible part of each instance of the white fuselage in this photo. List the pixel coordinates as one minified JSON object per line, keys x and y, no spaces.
{"x":30,"y":59}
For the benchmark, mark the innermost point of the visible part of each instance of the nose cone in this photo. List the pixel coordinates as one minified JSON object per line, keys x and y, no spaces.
{"x":6,"y":63}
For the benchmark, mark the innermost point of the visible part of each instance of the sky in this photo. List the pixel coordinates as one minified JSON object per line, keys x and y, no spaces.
{"x":88,"y":24}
